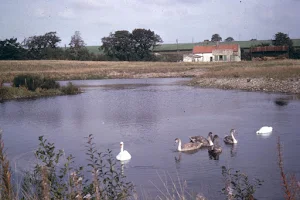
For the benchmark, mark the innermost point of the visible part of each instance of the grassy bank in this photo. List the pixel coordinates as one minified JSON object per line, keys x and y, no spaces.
{"x":10,"y":93}
{"x":271,"y":76}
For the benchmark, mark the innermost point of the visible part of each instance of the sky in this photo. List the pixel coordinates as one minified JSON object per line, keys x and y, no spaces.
{"x":185,"y":20}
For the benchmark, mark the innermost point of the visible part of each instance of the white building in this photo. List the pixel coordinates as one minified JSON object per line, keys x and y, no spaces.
{"x":216,"y":53}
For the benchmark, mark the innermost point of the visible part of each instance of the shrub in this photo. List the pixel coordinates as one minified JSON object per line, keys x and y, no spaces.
{"x":70,"y":89}
{"x":31,"y":82}
{"x":238,"y":185}
{"x":50,"y":84}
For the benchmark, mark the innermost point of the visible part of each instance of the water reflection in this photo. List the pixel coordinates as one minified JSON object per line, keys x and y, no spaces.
{"x":213,"y":155}
{"x":233,"y":150}
{"x":178,"y":158}
{"x":124,"y":163}
{"x":281,"y":101}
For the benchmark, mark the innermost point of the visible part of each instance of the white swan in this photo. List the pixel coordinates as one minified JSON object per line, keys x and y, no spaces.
{"x":123,"y":155}
{"x":265,"y":130}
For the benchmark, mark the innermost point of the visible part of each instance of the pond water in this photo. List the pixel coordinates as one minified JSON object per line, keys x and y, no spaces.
{"x":147,"y":115}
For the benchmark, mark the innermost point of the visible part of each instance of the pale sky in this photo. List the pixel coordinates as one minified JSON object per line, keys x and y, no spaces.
{"x":185,"y":20}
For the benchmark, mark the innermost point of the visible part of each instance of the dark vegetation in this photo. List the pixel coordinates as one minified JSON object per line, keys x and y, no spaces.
{"x":121,"y":45}
{"x":28,"y":86}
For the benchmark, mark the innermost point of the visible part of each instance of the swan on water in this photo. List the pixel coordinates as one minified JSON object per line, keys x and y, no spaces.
{"x":123,"y":155}
{"x":230,"y":139}
{"x":264,"y":130}
{"x":187,"y":146}
{"x":205,"y":141}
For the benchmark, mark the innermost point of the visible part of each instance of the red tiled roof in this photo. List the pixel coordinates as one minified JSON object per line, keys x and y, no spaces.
{"x":209,"y":49}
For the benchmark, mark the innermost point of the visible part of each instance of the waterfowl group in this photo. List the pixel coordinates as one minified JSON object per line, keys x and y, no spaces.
{"x":196,"y":142}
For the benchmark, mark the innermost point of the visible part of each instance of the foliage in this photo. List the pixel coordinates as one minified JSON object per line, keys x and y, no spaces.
{"x":38,"y":46}
{"x":51,"y":180}
{"x":229,"y":39}
{"x":10,"y":49}
{"x":282,"y":39}
{"x":32,"y":82}
{"x":76,"y":40}
{"x":238,"y":185}
{"x":125,"y":46}
{"x":77,"y":50}
{"x":70,"y":89}
{"x":216,"y":38}
{"x":290,"y":184}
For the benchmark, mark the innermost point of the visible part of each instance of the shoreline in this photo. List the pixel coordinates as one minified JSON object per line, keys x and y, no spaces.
{"x":277,"y":76}
{"x":250,"y":84}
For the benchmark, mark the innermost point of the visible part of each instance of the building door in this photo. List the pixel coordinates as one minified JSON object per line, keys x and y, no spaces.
{"x":211,"y":59}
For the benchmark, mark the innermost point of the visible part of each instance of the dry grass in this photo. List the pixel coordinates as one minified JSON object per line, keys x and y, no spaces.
{"x":71,"y":70}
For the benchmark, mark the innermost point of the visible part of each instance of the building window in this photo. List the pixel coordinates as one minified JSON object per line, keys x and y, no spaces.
{"x":220,"y":57}
{"x":216,"y":58}
{"x":225,"y":58}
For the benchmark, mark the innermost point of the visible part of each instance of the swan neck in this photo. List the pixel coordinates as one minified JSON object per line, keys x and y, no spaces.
{"x":179,"y":145}
{"x":210,"y":142}
{"x":122,"y":148}
{"x":233,"y":138}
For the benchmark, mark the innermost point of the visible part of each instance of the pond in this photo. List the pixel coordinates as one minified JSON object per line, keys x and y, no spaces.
{"x":147,"y":115}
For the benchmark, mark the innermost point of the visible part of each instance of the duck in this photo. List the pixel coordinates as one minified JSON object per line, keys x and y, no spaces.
{"x":123,"y":155}
{"x":205,"y":141}
{"x":265,"y":130}
{"x":187,"y":146}
{"x":230,"y":139}
{"x":216,"y":148}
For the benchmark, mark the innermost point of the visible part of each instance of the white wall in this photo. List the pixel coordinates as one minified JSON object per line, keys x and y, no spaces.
{"x":205,"y":57}
{"x":188,"y":58}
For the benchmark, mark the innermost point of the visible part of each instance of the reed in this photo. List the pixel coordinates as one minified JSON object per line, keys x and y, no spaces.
{"x":291,"y":186}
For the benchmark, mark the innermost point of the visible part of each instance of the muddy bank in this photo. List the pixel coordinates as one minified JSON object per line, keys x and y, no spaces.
{"x":289,"y":86}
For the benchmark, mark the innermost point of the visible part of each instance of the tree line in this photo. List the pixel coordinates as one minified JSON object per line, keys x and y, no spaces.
{"x":119,"y":46}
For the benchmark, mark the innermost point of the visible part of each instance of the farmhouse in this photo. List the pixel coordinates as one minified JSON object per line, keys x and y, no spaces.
{"x":214,"y":53}
{"x":175,"y":52}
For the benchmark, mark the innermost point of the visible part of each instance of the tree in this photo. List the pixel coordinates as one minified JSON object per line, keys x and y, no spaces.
{"x":10,"y":49}
{"x":229,"y":39}
{"x":144,"y":41}
{"x":38,"y":46}
{"x":123,"y":45}
{"x":77,"y":50}
{"x":216,"y":38}
{"x":119,"y":45}
{"x":77,"y":41}
{"x":282,"y":39}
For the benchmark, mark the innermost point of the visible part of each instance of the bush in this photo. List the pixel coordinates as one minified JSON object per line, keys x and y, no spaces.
{"x":70,"y":89}
{"x":32,"y":82}
{"x":50,"y":84}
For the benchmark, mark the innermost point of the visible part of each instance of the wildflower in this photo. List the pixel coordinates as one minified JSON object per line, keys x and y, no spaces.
{"x":79,"y":179}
